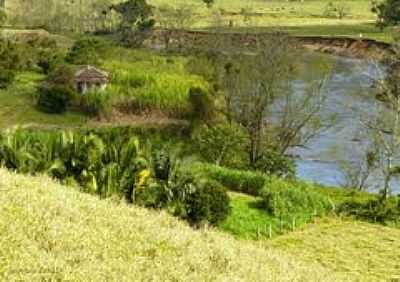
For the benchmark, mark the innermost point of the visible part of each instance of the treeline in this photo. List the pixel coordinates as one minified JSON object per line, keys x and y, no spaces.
{"x":69,"y":15}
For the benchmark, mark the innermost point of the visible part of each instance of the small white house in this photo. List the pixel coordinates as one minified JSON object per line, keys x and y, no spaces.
{"x":89,"y":78}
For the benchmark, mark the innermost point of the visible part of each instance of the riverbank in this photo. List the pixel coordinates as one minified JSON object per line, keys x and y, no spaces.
{"x":341,"y":46}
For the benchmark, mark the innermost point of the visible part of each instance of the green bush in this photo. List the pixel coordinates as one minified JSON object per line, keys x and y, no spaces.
{"x":7,"y":77}
{"x":274,"y":163}
{"x":87,"y":51}
{"x":12,"y":55}
{"x":373,"y":210}
{"x":96,"y":103}
{"x":55,"y":98}
{"x":247,"y":182}
{"x":62,"y":75}
{"x":49,"y":60}
{"x":209,"y":202}
{"x":223,"y":144}
{"x":286,"y":199}
{"x":201,"y":104}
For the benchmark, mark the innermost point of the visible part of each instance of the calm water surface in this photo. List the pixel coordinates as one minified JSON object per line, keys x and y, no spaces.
{"x":348,"y":93}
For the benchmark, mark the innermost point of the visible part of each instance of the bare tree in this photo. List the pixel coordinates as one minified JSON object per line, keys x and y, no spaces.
{"x":257,"y":92}
{"x":258,"y":95}
{"x":383,"y":128}
{"x":357,"y":173}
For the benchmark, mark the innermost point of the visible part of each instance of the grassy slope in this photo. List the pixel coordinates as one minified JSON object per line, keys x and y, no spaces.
{"x":164,"y":92}
{"x":17,"y":105}
{"x":51,"y":232}
{"x":363,"y":250}
{"x":304,"y":18}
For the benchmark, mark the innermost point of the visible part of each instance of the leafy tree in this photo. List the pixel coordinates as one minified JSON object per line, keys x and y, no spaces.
{"x":136,"y":20}
{"x":388,"y":12}
{"x":223,"y":144}
{"x":253,"y":82}
{"x":209,"y":3}
{"x":87,"y":51}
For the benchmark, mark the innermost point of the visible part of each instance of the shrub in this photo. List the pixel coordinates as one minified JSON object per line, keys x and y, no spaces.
{"x":274,"y":163}
{"x":62,"y":75}
{"x":87,"y":51}
{"x":97,"y":103}
{"x":223,"y":144}
{"x":55,"y":98}
{"x":7,"y":77}
{"x":373,"y":210}
{"x":387,"y":12}
{"x":286,"y":199}
{"x":247,"y":182}
{"x":49,"y":60}
{"x":201,"y":104}
{"x":209,"y":202}
{"x":12,"y":55}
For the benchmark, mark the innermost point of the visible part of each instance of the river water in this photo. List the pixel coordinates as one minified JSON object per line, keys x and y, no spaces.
{"x":349,"y":94}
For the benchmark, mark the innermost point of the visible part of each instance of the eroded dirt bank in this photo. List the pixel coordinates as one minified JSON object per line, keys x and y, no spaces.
{"x":343,"y":46}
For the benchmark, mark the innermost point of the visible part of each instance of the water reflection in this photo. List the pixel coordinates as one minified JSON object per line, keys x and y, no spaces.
{"x":348,"y":93}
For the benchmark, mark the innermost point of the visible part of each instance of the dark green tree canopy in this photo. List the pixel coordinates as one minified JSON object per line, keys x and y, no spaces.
{"x":134,"y":13}
{"x":388,"y":13}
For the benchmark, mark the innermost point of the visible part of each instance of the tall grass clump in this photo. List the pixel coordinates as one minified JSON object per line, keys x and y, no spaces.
{"x":286,"y":199}
{"x":144,"y":87}
{"x":248,"y":182}
{"x":97,"y":103}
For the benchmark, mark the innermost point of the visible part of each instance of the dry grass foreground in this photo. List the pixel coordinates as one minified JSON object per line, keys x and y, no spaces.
{"x":50,"y":232}
{"x":364,"y":251}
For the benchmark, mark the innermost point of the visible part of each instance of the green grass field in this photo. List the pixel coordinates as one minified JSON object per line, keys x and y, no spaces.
{"x":18,"y":106}
{"x":302,"y":18}
{"x":52,"y":232}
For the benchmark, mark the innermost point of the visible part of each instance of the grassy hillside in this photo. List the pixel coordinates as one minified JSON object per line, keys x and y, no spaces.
{"x":306,"y":18}
{"x":48,"y":231}
{"x":18,"y":105}
{"x":364,"y":251}
{"x":51,"y":232}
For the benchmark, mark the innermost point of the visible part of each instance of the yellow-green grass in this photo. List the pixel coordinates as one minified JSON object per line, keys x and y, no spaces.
{"x":301,"y":18}
{"x":51,"y":232}
{"x":155,"y":82}
{"x":248,"y":220}
{"x":367,"y":252}
{"x":18,"y":105}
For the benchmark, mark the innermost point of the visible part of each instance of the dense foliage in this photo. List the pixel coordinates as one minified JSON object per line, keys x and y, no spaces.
{"x":286,"y":199}
{"x":388,"y":12}
{"x":136,"y":21}
{"x":109,"y":164}
{"x":87,"y":51}
{"x":55,"y":99}
{"x":243,"y":181}
{"x":221,"y":143}
{"x":386,"y":212}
